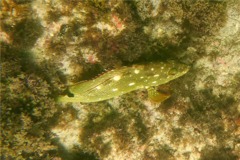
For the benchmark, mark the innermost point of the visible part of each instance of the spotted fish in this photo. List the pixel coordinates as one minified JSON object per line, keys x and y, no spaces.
{"x":123,"y":80}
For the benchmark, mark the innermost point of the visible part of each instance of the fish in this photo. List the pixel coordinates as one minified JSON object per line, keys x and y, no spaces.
{"x":123,"y":80}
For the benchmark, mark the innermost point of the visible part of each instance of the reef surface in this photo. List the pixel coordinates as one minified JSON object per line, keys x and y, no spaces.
{"x":49,"y":45}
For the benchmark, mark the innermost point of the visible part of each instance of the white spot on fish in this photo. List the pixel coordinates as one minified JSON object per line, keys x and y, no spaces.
{"x":98,"y":87}
{"x":114,"y":89}
{"x":152,"y":69}
{"x":131,"y":84}
{"x":116,"y":78}
{"x":136,"y":71}
{"x":156,"y":75}
{"x":141,"y":77}
{"x":154,"y":82}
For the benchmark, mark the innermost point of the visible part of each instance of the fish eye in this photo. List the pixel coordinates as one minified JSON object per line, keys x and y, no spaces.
{"x":172,"y":71}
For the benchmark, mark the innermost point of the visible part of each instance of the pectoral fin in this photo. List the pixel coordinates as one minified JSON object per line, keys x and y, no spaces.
{"x":156,"y":94}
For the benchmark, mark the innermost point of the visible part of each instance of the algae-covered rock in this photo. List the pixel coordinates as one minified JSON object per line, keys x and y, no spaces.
{"x":47,"y":46}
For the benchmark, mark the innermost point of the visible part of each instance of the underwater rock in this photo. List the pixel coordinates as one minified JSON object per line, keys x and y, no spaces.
{"x":49,"y":45}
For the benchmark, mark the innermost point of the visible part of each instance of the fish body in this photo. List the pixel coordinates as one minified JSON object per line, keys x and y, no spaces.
{"x":123,"y":80}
